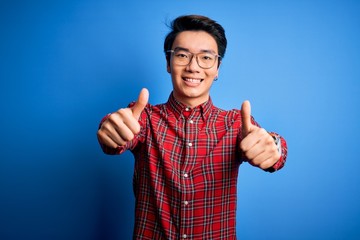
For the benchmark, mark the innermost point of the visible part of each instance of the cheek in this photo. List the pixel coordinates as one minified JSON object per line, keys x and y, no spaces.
{"x":213,"y":73}
{"x":174,"y":71}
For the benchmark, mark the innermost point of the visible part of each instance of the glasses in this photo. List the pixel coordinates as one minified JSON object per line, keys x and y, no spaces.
{"x":182,"y":57}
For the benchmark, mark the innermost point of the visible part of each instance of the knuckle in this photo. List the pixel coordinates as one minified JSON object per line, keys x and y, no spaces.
{"x":114,"y":145}
{"x":273,"y":152}
{"x":249,"y":155}
{"x":243,"y":146}
{"x":100,"y":135}
{"x":113,"y":116}
{"x":263,"y":132}
{"x":137,"y":130}
{"x":104,"y":130}
{"x":270,"y":143}
{"x":270,"y":140}
{"x":265,"y":165}
{"x":110,"y":121}
{"x":121,"y":142}
{"x":255,"y":163}
{"x":122,"y":112}
{"x":128,"y":137}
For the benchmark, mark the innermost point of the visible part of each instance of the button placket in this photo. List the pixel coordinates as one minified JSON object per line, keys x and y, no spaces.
{"x":185,"y":203}
{"x":187,"y":182}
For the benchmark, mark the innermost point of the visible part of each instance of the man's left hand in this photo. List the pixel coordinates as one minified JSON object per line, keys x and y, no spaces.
{"x":258,"y":145}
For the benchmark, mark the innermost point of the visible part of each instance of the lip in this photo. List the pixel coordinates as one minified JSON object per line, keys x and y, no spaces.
{"x":192,"y":81}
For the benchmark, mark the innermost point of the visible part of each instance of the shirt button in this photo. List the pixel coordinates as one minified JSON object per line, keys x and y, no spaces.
{"x":191,"y":121}
{"x":186,"y":175}
{"x":187,"y":109}
{"x":184,"y":236}
{"x":190,"y":144}
{"x":186,"y":203}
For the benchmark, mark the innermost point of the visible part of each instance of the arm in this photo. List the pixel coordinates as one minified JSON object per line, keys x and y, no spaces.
{"x":118,"y":129}
{"x":265,"y":150}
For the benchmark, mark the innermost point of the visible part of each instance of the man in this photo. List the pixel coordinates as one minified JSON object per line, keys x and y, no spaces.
{"x":187,"y":151}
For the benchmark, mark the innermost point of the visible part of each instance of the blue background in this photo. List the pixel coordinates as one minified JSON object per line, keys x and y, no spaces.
{"x":65,"y":64}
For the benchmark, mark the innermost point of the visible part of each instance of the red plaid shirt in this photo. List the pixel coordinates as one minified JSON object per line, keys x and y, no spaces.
{"x":186,"y":169}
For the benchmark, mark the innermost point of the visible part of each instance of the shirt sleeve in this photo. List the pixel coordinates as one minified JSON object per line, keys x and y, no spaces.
{"x":282,"y":148}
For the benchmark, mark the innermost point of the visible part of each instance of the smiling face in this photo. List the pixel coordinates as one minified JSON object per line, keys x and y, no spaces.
{"x":191,"y":83}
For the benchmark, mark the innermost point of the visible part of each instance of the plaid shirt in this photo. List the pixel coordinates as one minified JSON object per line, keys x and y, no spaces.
{"x":186,"y":168}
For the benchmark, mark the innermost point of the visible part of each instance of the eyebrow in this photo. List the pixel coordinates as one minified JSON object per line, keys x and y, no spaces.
{"x":203,"y":51}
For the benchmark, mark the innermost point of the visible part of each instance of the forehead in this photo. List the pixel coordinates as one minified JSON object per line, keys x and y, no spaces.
{"x":195,"y":41}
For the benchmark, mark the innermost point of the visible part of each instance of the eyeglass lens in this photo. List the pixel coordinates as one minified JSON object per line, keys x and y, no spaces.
{"x":204,"y":59}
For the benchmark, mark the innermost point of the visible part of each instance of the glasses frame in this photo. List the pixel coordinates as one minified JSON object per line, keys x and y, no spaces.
{"x":196,"y":57}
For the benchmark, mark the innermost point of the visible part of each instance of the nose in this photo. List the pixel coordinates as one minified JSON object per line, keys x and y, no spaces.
{"x":193,"y":65}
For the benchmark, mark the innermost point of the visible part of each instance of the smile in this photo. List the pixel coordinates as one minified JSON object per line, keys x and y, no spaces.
{"x":193,"y":80}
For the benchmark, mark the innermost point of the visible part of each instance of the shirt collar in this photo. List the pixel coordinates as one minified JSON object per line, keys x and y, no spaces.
{"x":178,"y":108}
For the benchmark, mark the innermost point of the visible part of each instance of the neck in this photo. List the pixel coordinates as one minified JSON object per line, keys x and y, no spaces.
{"x":191,"y":102}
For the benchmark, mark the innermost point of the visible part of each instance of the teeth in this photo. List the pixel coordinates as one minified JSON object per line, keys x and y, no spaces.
{"x":193,"y":80}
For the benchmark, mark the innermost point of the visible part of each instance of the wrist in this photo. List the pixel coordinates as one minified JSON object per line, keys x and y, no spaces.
{"x":277,"y":141}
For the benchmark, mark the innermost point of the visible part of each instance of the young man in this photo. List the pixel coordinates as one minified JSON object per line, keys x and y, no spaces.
{"x":187,"y":151}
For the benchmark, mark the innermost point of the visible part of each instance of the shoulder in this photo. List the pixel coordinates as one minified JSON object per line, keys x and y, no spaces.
{"x":153,"y":110}
{"x":232,"y":113}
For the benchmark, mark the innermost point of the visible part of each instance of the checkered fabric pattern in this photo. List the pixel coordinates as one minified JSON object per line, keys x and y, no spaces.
{"x":186,"y":169}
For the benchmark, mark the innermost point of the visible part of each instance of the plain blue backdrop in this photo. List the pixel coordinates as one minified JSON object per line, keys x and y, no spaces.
{"x":65,"y":64}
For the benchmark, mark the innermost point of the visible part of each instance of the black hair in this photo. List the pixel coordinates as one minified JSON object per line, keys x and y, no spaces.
{"x":196,"y":23}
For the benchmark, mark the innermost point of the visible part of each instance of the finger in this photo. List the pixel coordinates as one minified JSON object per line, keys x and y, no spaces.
{"x":246,"y":118}
{"x":257,"y":136}
{"x":105,"y":139}
{"x":264,"y":150}
{"x":126,"y":120}
{"x":264,"y":163}
{"x":110,"y":135}
{"x":254,"y":151}
{"x":124,"y":133}
{"x":260,"y":157}
{"x":140,"y":103}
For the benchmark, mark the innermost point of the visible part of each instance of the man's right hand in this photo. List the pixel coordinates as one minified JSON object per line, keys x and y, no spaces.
{"x":122,"y":125}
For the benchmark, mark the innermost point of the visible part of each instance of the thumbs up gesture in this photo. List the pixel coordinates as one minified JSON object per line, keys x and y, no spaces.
{"x":257,"y":144}
{"x":122,"y":125}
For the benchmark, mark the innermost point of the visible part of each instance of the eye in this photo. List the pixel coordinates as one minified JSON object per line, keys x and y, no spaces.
{"x":207,"y":57}
{"x":181,"y":55}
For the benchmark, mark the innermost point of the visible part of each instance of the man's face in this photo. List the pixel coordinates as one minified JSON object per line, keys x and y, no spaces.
{"x":191,"y":83}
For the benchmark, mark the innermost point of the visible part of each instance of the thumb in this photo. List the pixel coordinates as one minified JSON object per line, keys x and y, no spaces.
{"x":141,"y":102}
{"x":246,"y":118}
